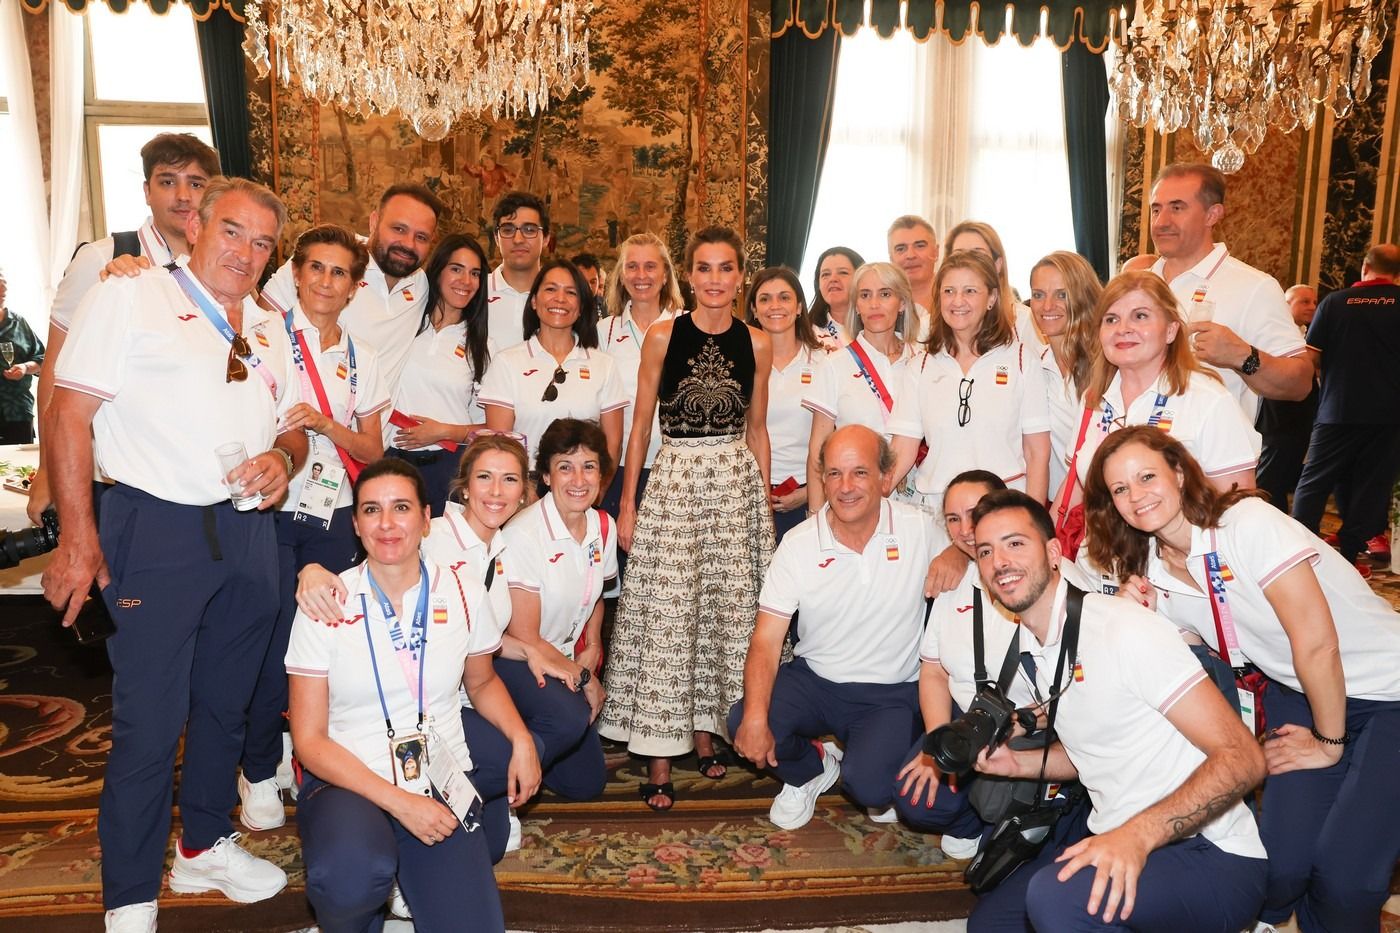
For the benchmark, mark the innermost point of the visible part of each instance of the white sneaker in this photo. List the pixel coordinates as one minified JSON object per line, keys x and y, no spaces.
{"x":513,"y":840}
{"x":133,"y":918}
{"x":398,"y":905}
{"x":227,"y":867}
{"x":286,"y":780}
{"x":262,"y":804}
{"x":794,"y":806}
{"x":881,"y":816}
{"x":958,"y":847}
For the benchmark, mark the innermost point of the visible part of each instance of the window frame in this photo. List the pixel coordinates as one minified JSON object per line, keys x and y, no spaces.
{"x":98,"y":112}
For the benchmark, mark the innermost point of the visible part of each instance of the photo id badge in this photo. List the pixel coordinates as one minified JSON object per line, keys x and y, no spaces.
{"x":409,"y":754}
{"x":319,"y":492}
{"x":1247,"y":701}
{"x":452,"y":784}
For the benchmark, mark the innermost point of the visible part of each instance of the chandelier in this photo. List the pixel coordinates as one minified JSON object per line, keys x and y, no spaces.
{"x":433,"y":61}
{"x":1229,"y":69}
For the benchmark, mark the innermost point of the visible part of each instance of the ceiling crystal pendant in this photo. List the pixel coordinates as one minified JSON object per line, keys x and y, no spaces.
{"x":1229,"y":69}
{"x":433,"y":61}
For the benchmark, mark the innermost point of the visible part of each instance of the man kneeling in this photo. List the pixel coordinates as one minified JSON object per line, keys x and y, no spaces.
{"x":1169,"y":845}
{"x":854,"y":575}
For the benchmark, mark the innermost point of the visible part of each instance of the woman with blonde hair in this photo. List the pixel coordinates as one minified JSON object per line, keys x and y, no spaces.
{"x":977,"y":396}
{"x":642,"y":290}
{"x":1064,"y":292}
{"x":857,"y":384}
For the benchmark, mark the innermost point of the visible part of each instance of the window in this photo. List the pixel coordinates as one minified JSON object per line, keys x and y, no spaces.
{"x":143,"y":78}
{"x":952,"y":133}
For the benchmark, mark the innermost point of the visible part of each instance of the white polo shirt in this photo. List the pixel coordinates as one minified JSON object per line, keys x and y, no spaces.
{"x":519,"y":375}
{"x":620,"y":338}
{"x":1247,"y":301}
{"x":948,"y":641}
{"x":1024,"y":321}
{"x":1008,"y":401}
{"x":1207,"y":420}
{"x":833,"y":337}
{"x":1132,"y":667}
{"x":789,"y":421}
{"x":861,"y":613}
{"x":1066,"y":411}
{"x":505,"y":311}
{"x":377,"y":315}
{"x":840,"y":392}
{"x":147,"y":351}
{"x":460,"y":624}
{"x":333,"y":366}
{"x":451,"y":543}
{"x":567,"y":575}
{"x":86,"y":267}
{"x":1257,"y":543}
{"x":438,"y":381}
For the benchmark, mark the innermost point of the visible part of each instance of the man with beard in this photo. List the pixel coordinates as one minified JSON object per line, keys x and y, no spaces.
{"x":1168,"y":844}
{"x":388,"y":306}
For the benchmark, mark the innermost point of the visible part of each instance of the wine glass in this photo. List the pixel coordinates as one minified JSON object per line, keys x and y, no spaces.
{"x":7,"y":350}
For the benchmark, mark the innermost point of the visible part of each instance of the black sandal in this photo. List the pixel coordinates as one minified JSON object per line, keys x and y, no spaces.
{"x":706,"y":762}
{"x":667,"y":790}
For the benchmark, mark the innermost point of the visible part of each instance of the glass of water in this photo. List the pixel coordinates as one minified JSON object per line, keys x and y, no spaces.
{"x":232,"y":456}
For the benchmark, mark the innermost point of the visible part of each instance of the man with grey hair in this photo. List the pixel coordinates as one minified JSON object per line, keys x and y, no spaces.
{"x":163,"y":369}
{"x":913,"y":247}
{"x":854,"y":576}
{"x":1355,"y":340}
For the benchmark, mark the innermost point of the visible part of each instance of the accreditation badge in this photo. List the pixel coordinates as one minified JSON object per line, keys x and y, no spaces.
{"x":319,"y":491}
{"x":409,"y":754}
{"x":449,"y":778}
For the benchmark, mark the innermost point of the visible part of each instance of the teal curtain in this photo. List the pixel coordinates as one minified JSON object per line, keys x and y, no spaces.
{"x":802,"y":83}
{"x":1086,"y":105}
{"x":1067,"y":21}
{"x":226,"y":91}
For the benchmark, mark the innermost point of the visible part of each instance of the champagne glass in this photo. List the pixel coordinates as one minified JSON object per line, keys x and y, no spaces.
{"x":7,"y":350}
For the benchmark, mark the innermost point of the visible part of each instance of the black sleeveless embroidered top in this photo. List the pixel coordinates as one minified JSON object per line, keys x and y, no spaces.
{"x":706,"y":380}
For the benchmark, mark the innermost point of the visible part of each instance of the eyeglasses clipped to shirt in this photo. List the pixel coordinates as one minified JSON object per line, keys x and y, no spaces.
{"x":237,"y":370}
{"x":551,"y":391}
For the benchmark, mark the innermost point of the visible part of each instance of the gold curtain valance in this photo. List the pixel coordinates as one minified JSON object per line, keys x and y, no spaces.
{"x":202,"y":9}
{"x":1067,"y":21}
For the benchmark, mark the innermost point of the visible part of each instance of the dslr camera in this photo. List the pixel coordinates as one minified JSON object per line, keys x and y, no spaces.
{"x":16,"y":546}
{"x":986,"y":724}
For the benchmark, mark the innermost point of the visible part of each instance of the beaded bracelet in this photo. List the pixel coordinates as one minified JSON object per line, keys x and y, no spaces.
{"x":1344,"y":740}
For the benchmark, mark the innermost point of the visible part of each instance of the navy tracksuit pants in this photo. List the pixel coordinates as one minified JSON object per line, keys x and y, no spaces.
{"x":354,"y":851}
{"x":1187,"y":885}
{"x":1333,"y":834}
{"x":194,"y":599}
{"x":438,"y":468}
{"x":1363,"y":460}
{"x":874,"y":722}
{"x":298,"y":544}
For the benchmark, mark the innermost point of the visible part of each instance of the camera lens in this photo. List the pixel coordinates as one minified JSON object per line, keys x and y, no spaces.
{"x":955,"y":746}
{"x":17,"y":546}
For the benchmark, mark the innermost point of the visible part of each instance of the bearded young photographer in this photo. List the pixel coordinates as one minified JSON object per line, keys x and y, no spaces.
{"x":1168,"y":845}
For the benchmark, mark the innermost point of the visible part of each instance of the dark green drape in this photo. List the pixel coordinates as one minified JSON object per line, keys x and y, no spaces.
{"x":1066,"y":21}
{"x":226,"y":91}
{"x":1086,"y":105}
{"x":801,"y":86}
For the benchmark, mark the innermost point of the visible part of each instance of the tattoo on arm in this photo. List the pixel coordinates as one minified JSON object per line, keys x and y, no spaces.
{"x":1186,"y":824}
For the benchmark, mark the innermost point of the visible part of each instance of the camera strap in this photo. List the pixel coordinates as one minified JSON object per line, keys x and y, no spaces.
{"x":1069,"y":647}
{"x":979,"y":648}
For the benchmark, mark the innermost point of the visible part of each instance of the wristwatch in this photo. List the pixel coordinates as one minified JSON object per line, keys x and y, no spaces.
{"x":584,"y":676}
{"x":1250,"y":366}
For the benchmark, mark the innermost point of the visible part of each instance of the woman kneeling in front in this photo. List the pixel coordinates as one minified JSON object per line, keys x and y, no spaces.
{"x":385,"y":781}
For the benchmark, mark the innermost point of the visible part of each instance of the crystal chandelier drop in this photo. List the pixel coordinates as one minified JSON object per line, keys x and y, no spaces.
{"x":1229,"y":69}
{"x":431,"y":60}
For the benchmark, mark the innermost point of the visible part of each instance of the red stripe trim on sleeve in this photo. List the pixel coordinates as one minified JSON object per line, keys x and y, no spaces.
{"x":85,"y":389}
{"x":1233,"y":468}
{"x":781,"y":614}
{"x":1287,"y":565}
{"x":307,"y":671}
{"x":517,"y":585}
{"x":1180,"y":691}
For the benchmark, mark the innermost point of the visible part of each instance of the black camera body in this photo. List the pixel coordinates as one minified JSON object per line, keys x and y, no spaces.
{"x":987,"y":724}
{"x":17,"y":546}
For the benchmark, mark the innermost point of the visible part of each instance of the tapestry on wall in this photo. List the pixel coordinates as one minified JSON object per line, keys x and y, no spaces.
{"x":661,"y":140}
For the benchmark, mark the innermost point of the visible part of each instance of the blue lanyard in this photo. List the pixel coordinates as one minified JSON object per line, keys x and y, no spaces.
{"x":202,"y":302}
{"x":1158,"y":406}
{"x":418,"y":636}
